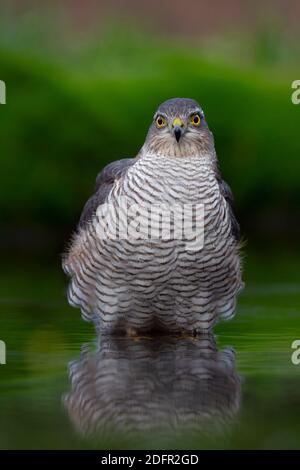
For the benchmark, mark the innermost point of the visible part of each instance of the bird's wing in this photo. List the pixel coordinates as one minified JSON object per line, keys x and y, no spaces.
{"x":228,"y":196}
{"x":104,"y":183}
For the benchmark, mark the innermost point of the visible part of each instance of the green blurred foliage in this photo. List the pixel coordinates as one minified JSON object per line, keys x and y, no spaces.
{"x":65,"y":118}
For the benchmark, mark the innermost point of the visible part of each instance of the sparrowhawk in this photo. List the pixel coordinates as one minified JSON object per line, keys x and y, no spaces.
{"x":136,"y":276}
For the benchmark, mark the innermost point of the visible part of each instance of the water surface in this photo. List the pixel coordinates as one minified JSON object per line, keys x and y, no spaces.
{"x":63,"y":388}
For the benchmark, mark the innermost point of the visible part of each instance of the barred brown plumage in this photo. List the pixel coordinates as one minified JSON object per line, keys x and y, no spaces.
{"x":141,"y":283}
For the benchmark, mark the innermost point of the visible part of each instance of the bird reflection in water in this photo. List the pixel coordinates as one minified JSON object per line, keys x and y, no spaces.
{"x":153,"y":384}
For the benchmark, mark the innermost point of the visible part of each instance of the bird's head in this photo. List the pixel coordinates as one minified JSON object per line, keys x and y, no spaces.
{"x":179,"y":129}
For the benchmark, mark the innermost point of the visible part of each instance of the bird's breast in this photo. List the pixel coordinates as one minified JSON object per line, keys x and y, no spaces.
{"x":171,"y":180}
{"x":171,"y":204}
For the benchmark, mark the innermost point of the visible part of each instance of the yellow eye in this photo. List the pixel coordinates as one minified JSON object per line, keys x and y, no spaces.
{"x":160,"y":121}
{"x":196,"y":120}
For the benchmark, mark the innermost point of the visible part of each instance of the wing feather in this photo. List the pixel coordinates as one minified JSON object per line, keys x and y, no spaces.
{"x":104,"y":183}
{"x":228,"y":196}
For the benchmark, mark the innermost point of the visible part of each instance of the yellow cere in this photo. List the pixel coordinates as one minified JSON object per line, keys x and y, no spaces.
{"x":178,"y":122}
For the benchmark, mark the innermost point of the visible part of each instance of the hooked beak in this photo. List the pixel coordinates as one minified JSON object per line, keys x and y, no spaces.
{"x":177,"y":127}
{"x":177,"y":132}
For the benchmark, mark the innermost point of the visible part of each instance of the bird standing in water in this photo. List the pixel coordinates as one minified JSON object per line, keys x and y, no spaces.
{"x":140,"y":283}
